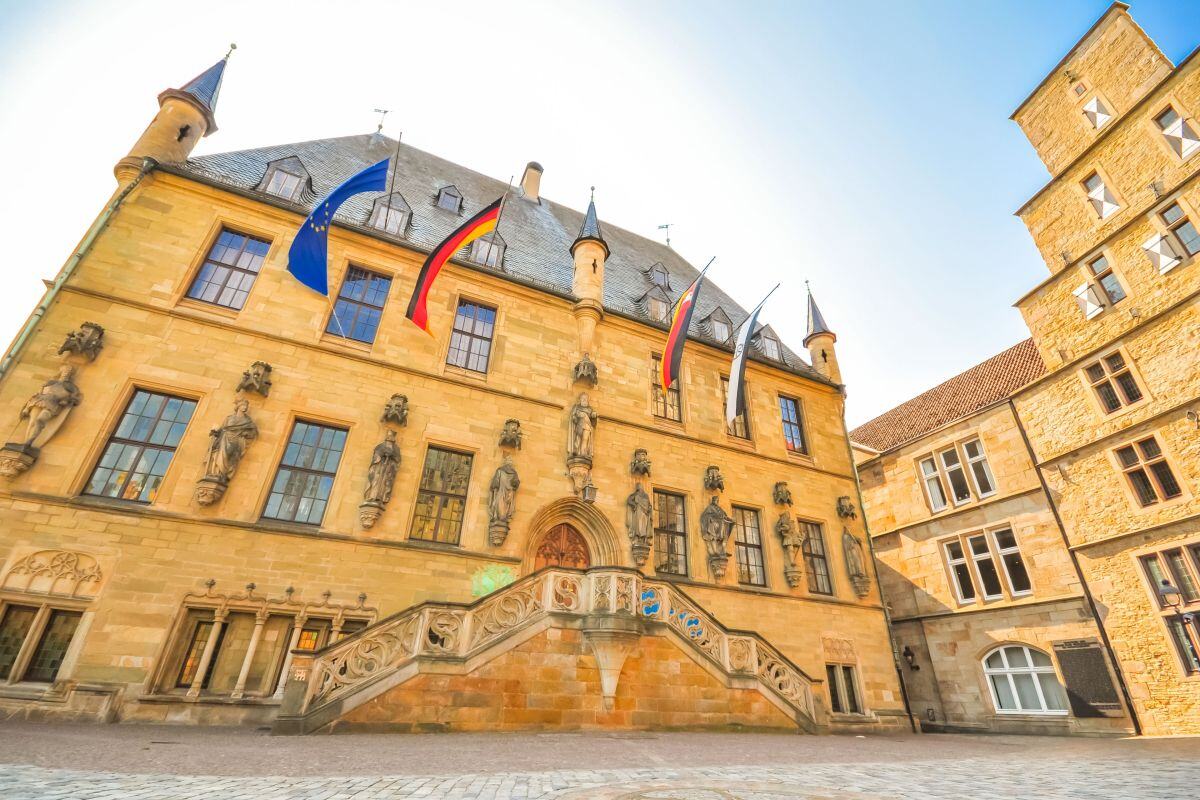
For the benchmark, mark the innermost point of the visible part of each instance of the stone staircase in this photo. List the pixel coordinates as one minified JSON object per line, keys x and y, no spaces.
{"x":612,"y":607}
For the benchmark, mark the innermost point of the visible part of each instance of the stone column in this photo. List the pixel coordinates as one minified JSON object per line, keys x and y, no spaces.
{"x":239,"y":688}
{"x":297,"y":629}
{"x":206,"y":657}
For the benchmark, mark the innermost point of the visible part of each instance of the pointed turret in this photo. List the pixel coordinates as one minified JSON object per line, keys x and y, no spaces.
{"x":185,"y":115}
{"x":820,"y":340}
{"x":589,"y":251}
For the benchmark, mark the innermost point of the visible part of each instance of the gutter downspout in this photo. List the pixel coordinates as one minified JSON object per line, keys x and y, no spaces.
{"x":887,"y":615}
{"x":68,"y":269}
{"x":1083,"y":584}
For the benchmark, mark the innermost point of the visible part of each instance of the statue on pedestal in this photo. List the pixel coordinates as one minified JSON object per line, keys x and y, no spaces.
{"x":639,"y":523}
{"x":225,"y":451}
{"x":715,"y":526}
{"x":43,"y":414}
{"x":502,"y":499}
{"x":385,"y":464}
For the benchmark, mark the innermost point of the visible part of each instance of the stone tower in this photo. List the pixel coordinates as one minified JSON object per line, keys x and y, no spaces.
{"x":589,"y":251}
{"x":184,"y":116}
{"x":820,"y":340}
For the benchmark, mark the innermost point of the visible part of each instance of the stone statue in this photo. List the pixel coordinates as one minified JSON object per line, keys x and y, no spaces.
{"x":845,"y":508}
{"x":581,"y":441}
{"x":781,"y":494}
{"x":713,"y":480}
{"x":257,"y":379}
{"x":502,"y":497}
{"x":225,"y":451}
{"x":639,"y":523}
{"x":856,"y":565}
{"x":715,"y":526}
{"x":585,"y":371}
{"x":43,"y":414}
{"x":55,"y":397}
{"x":396,"y":410}
{"x":792,"y":541}
{"x":87,"y":341}
{"x":511,"y":435}
{"x":381,"y":476}
{"x":640,"y":466}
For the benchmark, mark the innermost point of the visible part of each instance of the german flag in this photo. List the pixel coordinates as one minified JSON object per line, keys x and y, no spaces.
{"x":680,"y":319}
{"x":481,"y":224}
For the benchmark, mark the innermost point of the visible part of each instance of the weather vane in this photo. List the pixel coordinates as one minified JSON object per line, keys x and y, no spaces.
{"x":666,"y":228}
{"x":382,"y":112}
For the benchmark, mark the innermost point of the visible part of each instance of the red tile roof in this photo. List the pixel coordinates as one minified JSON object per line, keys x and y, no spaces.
{"x":977,"y":388}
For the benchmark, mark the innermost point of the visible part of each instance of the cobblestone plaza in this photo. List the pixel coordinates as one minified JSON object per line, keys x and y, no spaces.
{"x":181,"y":763}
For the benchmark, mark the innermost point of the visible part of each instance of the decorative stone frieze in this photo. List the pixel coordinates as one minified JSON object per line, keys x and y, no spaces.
{"x":65,"y":573}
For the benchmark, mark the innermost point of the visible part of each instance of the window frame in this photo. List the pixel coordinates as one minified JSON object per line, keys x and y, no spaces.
{"x":381,"y":214}
{"x":130,"y":396}
{"x":1096,"y":279}
{"x":464,"y":497}
{"x":472,"y":338}
{"x":959,"y":466}
{"x":1034,"y":671}
{"x":942,"y":477}
{"x":744,"y":418}
{"x":449,"y":190}
{"x":488,"y":251}
{"x":1182,"y":633}
{"x":1145,"y":465}
{"x":740,"y":546}
{"x":323,"y":425}
{"x":659,"y":398}
{"x":969,"y":463}
{"x":332,"y":329}
{"x":1171,"y":229}
{"x":811,"y":559}
{"x":841,"y":676}
{"x":269,"y":181}
{"x":1184,"y":121}
{"x":970,"y":560}
{"x":1109,"y":196}
{"x":204,"y":257}
{"x":1110,"y":378}
{"x":678,"y":536}
{"x":936,"y":477}
{"x":799,"y":424}
{"x":31,"y":642}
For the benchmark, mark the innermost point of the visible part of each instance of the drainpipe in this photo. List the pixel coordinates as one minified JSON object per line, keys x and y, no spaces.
{"x":1083,"y":584}
{"x":68,"y":269}
{"x":887,"y":616}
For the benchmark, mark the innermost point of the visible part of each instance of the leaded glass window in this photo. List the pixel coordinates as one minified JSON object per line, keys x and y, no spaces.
{"x":471,"y":339}
{"x":359,"y":305}
{"x":52,"y":647}
{"x":668,"y":404}
{"x":793,"y":425}
{"x":13,"y":629}
{"x":442,"y":498}
{"x":305,"y":477}
{"x":747,"y":538}
{"x":670,"y":534}
{"x":141,"y":448}
{"x":816,"y":563}
{"x":229,"y":270}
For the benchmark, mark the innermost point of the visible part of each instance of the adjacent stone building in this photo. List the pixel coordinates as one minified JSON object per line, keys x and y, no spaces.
{"x":227,"y":499}
{"x":1110,"y":420}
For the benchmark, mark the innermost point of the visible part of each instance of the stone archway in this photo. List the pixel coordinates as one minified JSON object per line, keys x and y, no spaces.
{"x":603,"y":545}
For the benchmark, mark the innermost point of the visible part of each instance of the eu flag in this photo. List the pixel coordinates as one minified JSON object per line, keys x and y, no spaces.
{"x":309,"y":256}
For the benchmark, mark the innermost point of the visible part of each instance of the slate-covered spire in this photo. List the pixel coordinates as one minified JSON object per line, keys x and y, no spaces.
{"x":202,"y":92}
{"x":590,"y":231}
{"x":816,"y":321}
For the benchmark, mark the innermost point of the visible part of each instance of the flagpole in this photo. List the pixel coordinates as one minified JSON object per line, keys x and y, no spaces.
{"x":499,"y":216}
{"x":747,"y":319}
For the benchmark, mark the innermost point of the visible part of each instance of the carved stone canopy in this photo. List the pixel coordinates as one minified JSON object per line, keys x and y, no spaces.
{"x":511,"y":434}
{"x":87,"y":341}
{"x":781,"y":494}
{"x":845,"y":508}
{"x":585,"y":372}
{"x":713,"y":480}
{"x":257,"y":379}
{"x":396,"y":410}
{"x":640,"y":466}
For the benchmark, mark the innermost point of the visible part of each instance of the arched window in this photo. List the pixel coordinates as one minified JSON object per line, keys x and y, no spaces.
{"x":1022,"y":681}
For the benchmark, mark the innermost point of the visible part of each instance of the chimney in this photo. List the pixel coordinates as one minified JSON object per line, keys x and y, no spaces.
{"x":531,"y":181}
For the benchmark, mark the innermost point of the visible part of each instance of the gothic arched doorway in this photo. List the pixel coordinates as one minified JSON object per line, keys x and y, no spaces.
{"x":562,"y":546}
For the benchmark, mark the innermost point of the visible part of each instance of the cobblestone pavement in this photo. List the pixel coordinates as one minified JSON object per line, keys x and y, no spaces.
{"x":130,"y":762}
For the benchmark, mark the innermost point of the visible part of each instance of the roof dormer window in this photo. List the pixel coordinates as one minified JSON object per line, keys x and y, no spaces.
{"x":720,"y":326}
{"x":769,"y":346}
{"x":450,"y":199}
{"x":657,"y":308}
{"x":659,"y":276}
{"x":488,"y":250}
{"x":283,"y":184}
{"x":390,"y":214}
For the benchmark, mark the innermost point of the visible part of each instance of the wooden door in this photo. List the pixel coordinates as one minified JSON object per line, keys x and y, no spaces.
{"x":563,"y":546}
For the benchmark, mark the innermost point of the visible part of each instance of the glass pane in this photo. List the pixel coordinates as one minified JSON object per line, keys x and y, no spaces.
{"x":13,"y":630}
{"x":1005,"y":539}
{"x":1129,"y":387}
{"x":1005,"y":698}
{"x":1016,"y":657}
{"x":851,"y":690}
{"x":989,"y":577}
{"x":1166,"y":479}
{"x":1127,"y":456}
{"x":1099,"y":266}
{"x":1149,"y":448}
{"x":48,"y":656}
{"x":958,"y":483}
{"x":835,"y":695}
{"x":962,"y":576}
{"x":983,"y":478}
{"x":1095,"y":372}
{"x":1039,"y":658}
{"x":955,"y":550}
{"x":1108,"y":397}
{"x":1018,"y":576}
{"x":995,"y":661}
{"x":1155,"y":573}
{"x":1189,"y":237}
{"x":1143,"y":487}
{"x":1027,"y":693}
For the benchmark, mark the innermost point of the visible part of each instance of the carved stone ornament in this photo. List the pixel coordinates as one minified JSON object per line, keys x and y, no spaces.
{"x":395,"y":410}
{"x":792,"y":541}
{"x":385,"y":464}
{"x":581,"y":442}
{"x":585,"y":372}
{"x":87,"y":341}
{"x":845,"y":508}
{"x":713,"y":480}
{"x":225,"y":451}
{"x":511,"y":435}
{"x":856,"y":565}
{"x":502,"y":501}
{"x":781,"y":494}
{"x":639,"y":524}
{"x":257,"y":379}
{"x":42,"y":416}
{"x":715,"y":526}
{"x":640,"y":466}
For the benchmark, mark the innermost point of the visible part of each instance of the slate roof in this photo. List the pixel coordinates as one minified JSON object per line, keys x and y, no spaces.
{"x":538,"y":234}
{"x":204,"y":89}
{"x":979,"y":387}
{"x":816,"y":320}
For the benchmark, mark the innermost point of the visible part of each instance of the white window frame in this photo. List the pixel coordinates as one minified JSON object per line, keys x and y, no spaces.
{"x":1007,"y":672}
{"x":1001,"y":552}
{"x":488,"y":251}
{"x":658,"y":308}
{"x":947,"y":469}
{"x":987,"y":468}
{"x":770,"y":347}
{"x":976,"y":558}
{"x":449,"y":191}
{"x":279,"y":180}
{"x":935,"y":477}
{"x":721,"y":337}
{"x":954,"y":561}
{"x":383,"y":215}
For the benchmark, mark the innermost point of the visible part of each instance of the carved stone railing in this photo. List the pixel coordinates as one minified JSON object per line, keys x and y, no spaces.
{"x":324,"y":685}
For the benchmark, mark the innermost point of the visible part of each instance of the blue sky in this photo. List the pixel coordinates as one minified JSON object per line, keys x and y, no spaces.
{"x":865,"y":146}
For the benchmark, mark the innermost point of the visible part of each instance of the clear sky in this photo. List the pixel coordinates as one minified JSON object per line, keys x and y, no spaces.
{"x":865,"y":146}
